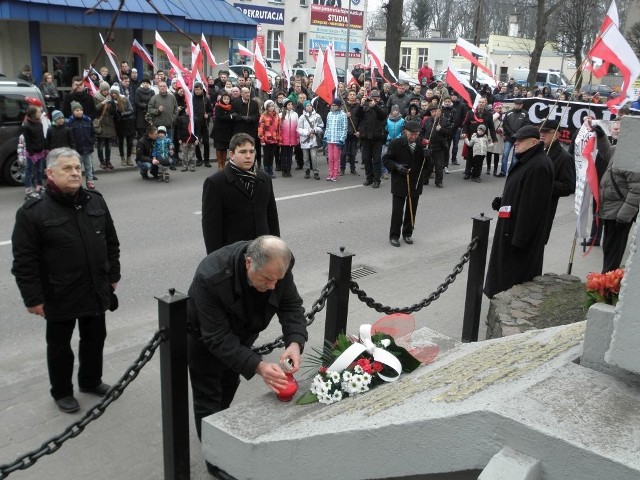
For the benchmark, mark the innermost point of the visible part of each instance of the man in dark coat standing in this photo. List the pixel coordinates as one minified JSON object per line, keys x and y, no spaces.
{"x":405,"y":160}
{"x":238,"y":202}
{"x":235,"y":293}
{"x":245,"y":112}
{"x":436,"y":131}
{"x":372,"y":118}
{"x":523,"y":212}
{"x":66,"y":260}
{"x":564,"y":168}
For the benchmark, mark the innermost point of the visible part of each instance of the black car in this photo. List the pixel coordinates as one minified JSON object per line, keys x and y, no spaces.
{"x":14,"y":100}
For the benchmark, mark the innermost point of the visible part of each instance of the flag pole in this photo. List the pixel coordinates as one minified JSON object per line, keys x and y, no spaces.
{"x":573,"y":251}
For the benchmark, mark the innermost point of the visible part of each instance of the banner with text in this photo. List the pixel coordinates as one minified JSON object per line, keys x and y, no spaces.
{"x":329,"y":25}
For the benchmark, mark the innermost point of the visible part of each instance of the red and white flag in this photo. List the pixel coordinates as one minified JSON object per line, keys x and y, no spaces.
{"x":461,"y":86}
{"x":138,"y":49}
{"x":112,"y":57}
{"x":286,"y":71}
{"x":173,"y":60}
{"x":504,"y":212}
{"x":260,"y":68}
{"x":207,"y":52}
{"x":244,"y":51}
{"x":598,"y":66}
{"x":467,"y":50}
{"x":323,"y":81}
{"x":352,"y":79}
{"x":197,"y":61}
{"x":89,"y":85}
{"x":330,"y":56}
{"x":613,"y":48}
{"x":178,"y":82}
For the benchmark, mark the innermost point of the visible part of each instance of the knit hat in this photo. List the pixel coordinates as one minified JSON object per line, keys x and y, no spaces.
{"x":337,"y":101}
{"x":267,"y":104}
{"x":76,"y":106}
{"x":56,"y":114}
{"x":285,"y":102}
{"x":114,"y":88}
{"x":162,"y":129}
{"x":497,"y":105}
{"x":103,"y":86}
{"x":145,"y":78}
{"x":482,"y":127}
{"x":306,"y":102}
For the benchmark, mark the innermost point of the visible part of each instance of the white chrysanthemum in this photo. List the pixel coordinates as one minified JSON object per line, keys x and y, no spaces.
{"x":366,"y":378}
{"x":325,"y":387}
{"x":363,"y":388}
{"x":334,"y":376}
{"x":346,"y":376}
{"x":337,"y":395}
{"x":358,"y":369}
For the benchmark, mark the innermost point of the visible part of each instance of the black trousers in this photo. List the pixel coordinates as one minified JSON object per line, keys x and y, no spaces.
{"x":399,"y":207}
{"x":213,"y":384}
{"x":298,"y":156}
{"x":202,"y":132}
{"x":614,"y":243}
{"x":476,"y":165}
{"x":349,"y":152}
{"x":286,"y":154}
{"x":371,"y":151}
{"x":93,"y":332}
{"x":436,"y":162}
{"x":270,"y":154}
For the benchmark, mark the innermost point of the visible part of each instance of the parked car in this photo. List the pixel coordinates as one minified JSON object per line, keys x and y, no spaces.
{"x":604,"y":90}
{"x":238,"y":69}
{"x":305,"y":72}
{"x":14,"y":94}
{"x":481,"y":77}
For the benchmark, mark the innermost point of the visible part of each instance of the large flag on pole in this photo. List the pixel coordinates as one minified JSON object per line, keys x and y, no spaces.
{"x":330,"y":56}
{"x":112,"y":57}
{"x":260,"y":68}
{"x":244,"y":51}
{"x":467,"y":50}
{"x":286,"y":71}
{"x":323,"y":82}
{"x":613,"y":48}
{"x":461,"y":86}
{"x":143,"y":53}
{"x":173,"y":60}
{"x":197,"y":61}
{"x":180,"y":81}
{"x":611,"y":18}
{"x":207,"y":52}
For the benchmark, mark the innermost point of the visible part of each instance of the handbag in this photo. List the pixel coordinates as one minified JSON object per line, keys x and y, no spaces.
{"x":97,"y":122}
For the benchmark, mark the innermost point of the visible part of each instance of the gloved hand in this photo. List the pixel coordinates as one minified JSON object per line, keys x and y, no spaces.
{"x":496,"y":203}
{"x":402,"y":170}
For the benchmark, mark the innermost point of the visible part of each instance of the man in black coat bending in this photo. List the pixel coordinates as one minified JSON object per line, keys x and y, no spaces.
{"x":66,"y":260}
{"x":238,"y":202}
{"x":235,"y":293}
{"x":405,"y":160}
{"x":523,"y":212}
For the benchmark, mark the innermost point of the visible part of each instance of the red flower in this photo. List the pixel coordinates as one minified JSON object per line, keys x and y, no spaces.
{"x":323,"y":370}
{"x":365,"y":365}
{"x":376,"y":367}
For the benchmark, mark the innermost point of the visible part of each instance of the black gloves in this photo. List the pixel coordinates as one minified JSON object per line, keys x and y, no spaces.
{"x":496,"y":203}
{"x":402,"y":170}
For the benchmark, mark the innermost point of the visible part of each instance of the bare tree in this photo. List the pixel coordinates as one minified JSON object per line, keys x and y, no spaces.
{"x":543,"y":13}
{"x":633,"y":36}
{"x":394,"y":32}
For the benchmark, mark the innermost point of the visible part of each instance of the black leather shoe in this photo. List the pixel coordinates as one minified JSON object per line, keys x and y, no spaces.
{"x":68,"y":404}
{"x":395,"y":242}
{"x":408,"y":240}
{"x":375,"y":185}
{"x":499,"y":175}
{"x":101,"y":390}
{"x":366,"y":183}
{"x":466,"y":176}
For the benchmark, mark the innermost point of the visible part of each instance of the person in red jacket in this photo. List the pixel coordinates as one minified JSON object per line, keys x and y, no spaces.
{"x":425,"y":72}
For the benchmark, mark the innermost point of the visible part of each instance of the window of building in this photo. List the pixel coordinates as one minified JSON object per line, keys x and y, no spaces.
{"x":63,"y":68}
{"x":423,"y":56}
{"x":504,"y":74}
{"x":405,"y":58}
{"x":162,"y":62}
{"x":272,"y":52}
{"x":303,"y":3}
{"x":302,"y":43}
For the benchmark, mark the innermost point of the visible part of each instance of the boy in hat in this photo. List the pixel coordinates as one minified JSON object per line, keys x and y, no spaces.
{"x":58,"y":133}
{"x":334,"y":136}
{"x":84,"y":137}
{"x":480,"y":144}
{"x":162,"y":153}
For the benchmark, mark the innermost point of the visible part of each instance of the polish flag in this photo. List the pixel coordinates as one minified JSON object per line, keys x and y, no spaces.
{"x":330,"y":56}
{"x":597,"y":65}
{"x":317,"y":73}
{"x":461,"y":86}
{"x":260,"y":68}
{"x":207,"y":52}
{"x":375,"y":59}
{"x":89,"y":85}
{"x":613,"y":48}
{"x":467,"y":50}
{"x":112,"y":57}
{"x":244,"y":51}
{"x":178,"y":82}
{"x":197,"y":61}
{"x":353,"y":80}
{"x":142,"y":52}
{"x":286,"y":71}
{"x":323,"y":82}
{"x":592,"y":174}
{"x":173,"y":60}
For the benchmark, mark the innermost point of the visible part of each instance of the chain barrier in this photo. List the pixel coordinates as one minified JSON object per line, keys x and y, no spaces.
{"x":316,"y":308}
{"x":378,"y":307}
{"x":53,"y":444}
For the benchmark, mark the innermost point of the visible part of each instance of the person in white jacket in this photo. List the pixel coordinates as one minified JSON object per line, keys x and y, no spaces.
{"x":310,"y":127}
{"x":480,"y":143}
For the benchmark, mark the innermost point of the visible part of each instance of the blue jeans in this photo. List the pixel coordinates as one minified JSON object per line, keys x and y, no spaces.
{"x":455,"y":141}
{"x":147,"y":167}
{"x":33,"y":173}
{"x":508,"y":146}
{"x":87,"y":163}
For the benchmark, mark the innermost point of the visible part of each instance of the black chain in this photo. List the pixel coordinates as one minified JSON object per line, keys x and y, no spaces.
{"x":378,"y":307}
{"x":316,"y":308}
{"x":53,"y":444}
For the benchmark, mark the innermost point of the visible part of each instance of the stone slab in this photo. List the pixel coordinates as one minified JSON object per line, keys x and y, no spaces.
{"x":508,"y":464}
{"x":524,"y":392}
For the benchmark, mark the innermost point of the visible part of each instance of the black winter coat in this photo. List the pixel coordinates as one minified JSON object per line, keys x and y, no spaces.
{"x":399,"y":153}
{"x":564,"y":179}
{"x":144,"y":147}
{"x":66,"y":254}
{"x":201,"y":105}
{"x":245,"y":117}
{"x":142,"y":101}
{"x":34,"y":140}
{"x":222,"y":130}
{"x":372,"y":121}
{"x":59,"y":136}
{"x":86,"y":100}
{"x":229,"y":214}
{"x":438,"y":139}
{"x":83,"y":133}
{"x":218,"y":311}
{"x":518,"y":243}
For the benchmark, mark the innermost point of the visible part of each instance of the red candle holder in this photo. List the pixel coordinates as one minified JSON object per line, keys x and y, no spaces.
{"x":286,"y":394}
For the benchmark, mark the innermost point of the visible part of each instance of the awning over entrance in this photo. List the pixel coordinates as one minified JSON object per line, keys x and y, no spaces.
{"x":211,"y":17}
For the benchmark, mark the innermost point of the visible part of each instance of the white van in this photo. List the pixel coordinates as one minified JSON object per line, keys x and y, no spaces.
{"x":544,"y":78}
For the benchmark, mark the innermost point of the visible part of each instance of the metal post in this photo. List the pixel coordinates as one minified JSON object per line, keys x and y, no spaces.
{"x":475,"y":279}
{"x":172,"y":317}
{"x":338,"y":300}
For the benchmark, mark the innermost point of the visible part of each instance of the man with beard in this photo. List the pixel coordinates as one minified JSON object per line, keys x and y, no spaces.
{"x":523,"y":212}
{"x":481,"y":116}
{"x":564,"y":168}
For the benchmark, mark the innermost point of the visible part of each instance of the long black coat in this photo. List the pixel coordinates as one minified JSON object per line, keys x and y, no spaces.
{"x":518,"y":243}
{"x":399,"y":153}
{"x":229,"y":214}
{"x":371,"y":121}
{"x":66,"y":254}
{"x":217,"y":310}
{"x":245,"y":117}
{"x":222,"y":130}
{"x":564,"y":179}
